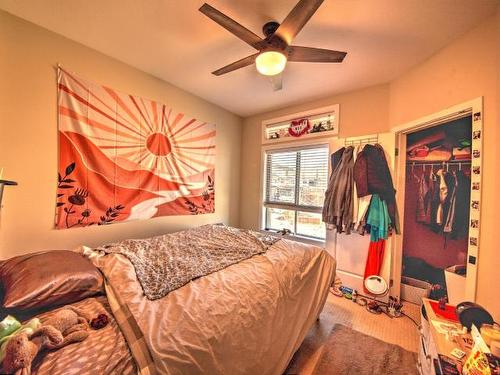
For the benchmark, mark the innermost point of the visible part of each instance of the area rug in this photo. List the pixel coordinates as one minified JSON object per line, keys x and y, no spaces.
{"x":349,"y":352}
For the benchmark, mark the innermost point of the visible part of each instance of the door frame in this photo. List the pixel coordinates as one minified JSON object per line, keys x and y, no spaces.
{"x":474,"y":108}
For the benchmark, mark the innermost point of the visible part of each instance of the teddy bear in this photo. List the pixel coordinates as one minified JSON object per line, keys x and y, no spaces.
{"x":66,"y":326}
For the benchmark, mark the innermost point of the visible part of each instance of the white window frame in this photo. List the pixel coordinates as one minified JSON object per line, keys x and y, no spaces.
{"x":297,"y":145}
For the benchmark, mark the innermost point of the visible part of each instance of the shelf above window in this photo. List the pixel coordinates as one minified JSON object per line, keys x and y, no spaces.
{"x":317,"y":123}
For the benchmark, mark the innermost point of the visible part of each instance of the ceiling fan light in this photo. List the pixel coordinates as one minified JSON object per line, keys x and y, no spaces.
{"x":270,"y":63}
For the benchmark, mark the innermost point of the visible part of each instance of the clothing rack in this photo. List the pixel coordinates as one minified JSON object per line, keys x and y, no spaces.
{"x":361,"y":141}
{"x":443,"y":164}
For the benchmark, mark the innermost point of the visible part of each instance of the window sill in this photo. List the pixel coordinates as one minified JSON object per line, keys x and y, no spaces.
{"x":294,"y":237}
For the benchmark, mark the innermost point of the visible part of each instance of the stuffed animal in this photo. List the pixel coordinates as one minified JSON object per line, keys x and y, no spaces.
{"x":14,"y":327}
{"x":66,"y":326}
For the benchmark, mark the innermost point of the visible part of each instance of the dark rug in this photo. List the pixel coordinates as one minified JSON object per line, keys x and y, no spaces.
{"x":349,"y":352}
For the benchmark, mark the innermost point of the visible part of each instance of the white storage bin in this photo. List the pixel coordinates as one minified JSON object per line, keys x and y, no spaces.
{"x":455,"y":284}
{"x":413,"y":290}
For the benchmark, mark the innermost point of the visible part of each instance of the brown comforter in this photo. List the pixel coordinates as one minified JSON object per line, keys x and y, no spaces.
{"x":248,"y":318}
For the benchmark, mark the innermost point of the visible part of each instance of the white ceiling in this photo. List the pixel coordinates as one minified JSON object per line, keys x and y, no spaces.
{"x":172,"y":40}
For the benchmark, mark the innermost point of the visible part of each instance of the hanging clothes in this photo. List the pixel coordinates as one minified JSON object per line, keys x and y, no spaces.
{"x":336,"y":157}
{"x":443,"y":202}
{"x":355,"y":199}
{"x":378,"y":219}
{"x":449,"y":180}
{"x":363,"y":206}
{"x":338,"y":205}
{"x":375,"y":258}
{"x":445,"y":186}
{"x":435,"y":201}
{"x":372,"y":176}
{"x":460,"y":218}
{"x":423,"y":214}
{"x":448,"y":224}
{"x":374,"y":185}
{"x":443,"y":194}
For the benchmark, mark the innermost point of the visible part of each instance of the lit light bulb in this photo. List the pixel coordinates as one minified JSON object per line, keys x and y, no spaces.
{"x":270,"y":63}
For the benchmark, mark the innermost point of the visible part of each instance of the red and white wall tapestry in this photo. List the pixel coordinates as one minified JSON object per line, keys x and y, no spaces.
{"x":122,"y":157}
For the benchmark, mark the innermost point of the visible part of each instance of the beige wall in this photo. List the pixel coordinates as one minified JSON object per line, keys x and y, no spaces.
{"x":28,"y":139}
{"x":361,"y":112}
{"x":466,"y":69}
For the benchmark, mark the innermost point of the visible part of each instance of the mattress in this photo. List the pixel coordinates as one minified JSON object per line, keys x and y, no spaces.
{"x":248,"y":318}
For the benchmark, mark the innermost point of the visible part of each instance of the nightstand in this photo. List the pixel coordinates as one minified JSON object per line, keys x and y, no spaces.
{"x":434,"y":343}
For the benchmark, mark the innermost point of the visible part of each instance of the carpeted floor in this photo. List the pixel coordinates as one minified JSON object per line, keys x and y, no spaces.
{"x":398,"y":331}
{"x":349,"y":352}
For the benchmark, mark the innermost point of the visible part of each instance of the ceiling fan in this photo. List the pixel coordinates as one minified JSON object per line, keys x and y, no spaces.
{"x":275,"y":49}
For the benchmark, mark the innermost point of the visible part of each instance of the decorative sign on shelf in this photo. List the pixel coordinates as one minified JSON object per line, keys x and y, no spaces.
{"x":300,"y":127}
{"x":303,"y":125}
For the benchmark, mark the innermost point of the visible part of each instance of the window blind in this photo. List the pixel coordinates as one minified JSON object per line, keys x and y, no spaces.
{"x":296,"y":178}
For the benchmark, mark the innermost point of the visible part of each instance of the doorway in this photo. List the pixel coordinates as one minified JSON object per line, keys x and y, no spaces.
{"x":436,"y":211}
{"x":441,"y":154}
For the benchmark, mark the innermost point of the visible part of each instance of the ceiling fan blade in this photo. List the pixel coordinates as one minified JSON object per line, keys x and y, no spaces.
{"x":249,"y":60}
{"x":310,"y":54}
{"x":296,"y":19}
{"x":231,"y":25}
{"x":277,"y":81}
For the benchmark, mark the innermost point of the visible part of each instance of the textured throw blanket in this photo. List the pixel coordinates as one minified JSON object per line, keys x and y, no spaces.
{"x":165,"y":263}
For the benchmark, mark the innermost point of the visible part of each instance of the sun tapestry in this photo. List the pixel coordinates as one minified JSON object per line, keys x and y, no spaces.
{"x":122,"y":157}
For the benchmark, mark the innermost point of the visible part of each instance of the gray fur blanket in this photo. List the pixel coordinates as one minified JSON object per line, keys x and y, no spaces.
{"x":165,"y":263}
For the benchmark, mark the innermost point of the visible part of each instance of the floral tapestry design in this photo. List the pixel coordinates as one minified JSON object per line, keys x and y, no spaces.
{"x":122,"y":157}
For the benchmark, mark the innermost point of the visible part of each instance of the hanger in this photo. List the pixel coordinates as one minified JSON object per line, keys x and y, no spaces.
{"x":432,"y":175}
{"x":414,"y":175}
{"x":424,"y":170}
{"x":357,"y":148}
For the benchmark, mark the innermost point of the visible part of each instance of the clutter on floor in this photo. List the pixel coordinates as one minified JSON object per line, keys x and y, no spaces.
{"x":392,"y":308}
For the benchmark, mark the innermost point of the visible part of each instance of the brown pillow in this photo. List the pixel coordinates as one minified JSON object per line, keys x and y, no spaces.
{"x":38,"y":280}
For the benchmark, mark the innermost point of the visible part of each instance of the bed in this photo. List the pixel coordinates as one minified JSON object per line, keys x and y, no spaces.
{"x":248,"y":318}
{"x":104,"y":352}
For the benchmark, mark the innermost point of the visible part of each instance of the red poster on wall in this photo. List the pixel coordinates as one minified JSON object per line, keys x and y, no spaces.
{"x":123,"y":157}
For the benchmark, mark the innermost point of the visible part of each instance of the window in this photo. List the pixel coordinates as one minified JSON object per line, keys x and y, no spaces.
{"x":295,"y":184}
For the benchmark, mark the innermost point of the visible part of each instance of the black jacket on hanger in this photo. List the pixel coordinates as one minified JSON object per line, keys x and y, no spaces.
{"x":372,"y":176}
{"x":461,"y":218}
{"x":336,"y":157}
